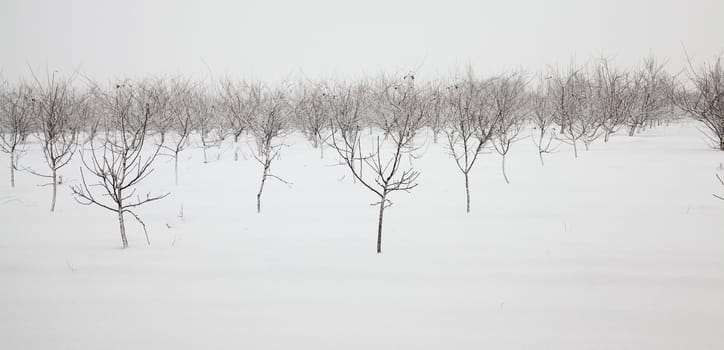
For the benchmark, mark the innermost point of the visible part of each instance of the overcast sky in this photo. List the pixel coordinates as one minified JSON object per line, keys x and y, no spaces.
{"x":275,"y":39}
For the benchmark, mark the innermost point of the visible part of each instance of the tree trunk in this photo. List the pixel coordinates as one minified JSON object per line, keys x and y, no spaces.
{"x":236,"y":146}
{"x":606,"y":135}
{"x":55,"y":191}
{"x":206,"y":160}
{"x":379,"y":225}
{"x":467,"y":193}
{"x":12,"y":168}
{"x":124,"y":240}
{"x":175,"y":167}
{"x":540,"y":155}
{"x":261,"y":189}
{"x":321,"y":150}
{"x":631,"y":130}
{"x":575,"y":149}
{"x":504,"y":175}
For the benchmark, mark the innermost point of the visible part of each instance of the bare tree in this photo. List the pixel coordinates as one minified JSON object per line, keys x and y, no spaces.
{"x":612,"y":97}
{"x":268,"y":127}
{"x":16,"y":108}
{"x":207,"y":119}
{"x":312,"y":114}
{"x":649,"y":97}
{"x":400,"y":108}
{"x":55,"y":114}
{"x":122,"y":160}
{"x":543,"y":122}
{"x":240,"y":103}
{"x":160,"y":98}
{"x":469,"y":124}
{"x":508,"y":99}
{"x":705,"y":103}
{"x":182,"y":109}
{"x":435,"y":111}
{"x":570,"y":95}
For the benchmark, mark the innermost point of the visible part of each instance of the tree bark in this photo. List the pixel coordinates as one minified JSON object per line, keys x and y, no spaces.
{"x":261,"y":189}
{"x":467,"y":193}
{"x":540,"y":155}
{"x":12,"y":168}
{"x":122,"y":225}
{"x":505,"y":176}
{"x":379,"y":225}
{"x":175,"y":167}
{"x":55,"y":190}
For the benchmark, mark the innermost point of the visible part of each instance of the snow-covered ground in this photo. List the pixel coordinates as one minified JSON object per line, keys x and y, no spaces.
{"x":622,"y":248}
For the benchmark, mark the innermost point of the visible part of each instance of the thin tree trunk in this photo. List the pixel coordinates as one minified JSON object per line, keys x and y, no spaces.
{"x":606,"y":135}
{"x":55,"y":191}
{"x":540,"y":155}
{"x":505,"y":176}
{"x":575,"y":149}
{"x":12,"y":168}
{"x":261,"y":189}
{"x":122,"y":225}
{"x":467,"y":193}
{"x":175,"y":167}
{"x":379,"y":225}
{"x":236,"y":146}
{"x":631,"y":130}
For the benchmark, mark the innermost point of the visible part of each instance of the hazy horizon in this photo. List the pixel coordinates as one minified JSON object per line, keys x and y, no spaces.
{"x":274,"y":40}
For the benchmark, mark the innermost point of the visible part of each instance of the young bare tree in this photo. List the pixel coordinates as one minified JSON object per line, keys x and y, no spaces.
{"x":207,"y":119}
{"x":89,"y":118}
{"x":612,"y":97}
{"x":55,"y":113}
{"x":240,"y":103}
{"x":469,"y":124}
{"x":649,"y":95}
{"x":312,"y":115}
{"x":122,"y":159}
{"x":435,"y":111}
{"x":543,"y":132}
{"x":705,"y":103}
{"x":16,"y":113}
{"x":182,"y":109}
{"x":268,"y":127}
{"x":508,"y":99}
{"x":160,"y":98}
{"x":400,"y":108}
{"x":570,"y":95}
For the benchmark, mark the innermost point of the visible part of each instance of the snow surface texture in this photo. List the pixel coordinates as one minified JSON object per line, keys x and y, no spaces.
{"x":622,"y":248}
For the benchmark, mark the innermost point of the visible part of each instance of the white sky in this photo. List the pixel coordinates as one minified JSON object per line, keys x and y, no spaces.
{"x":275,"y":39}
